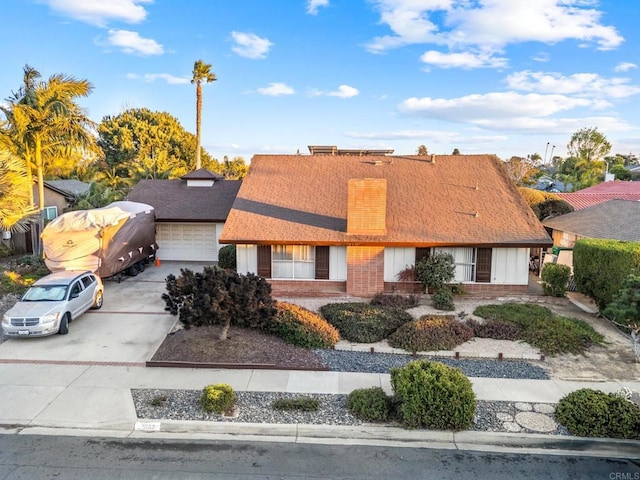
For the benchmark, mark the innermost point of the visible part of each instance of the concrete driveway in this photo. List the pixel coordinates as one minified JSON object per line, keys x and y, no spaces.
{"x":127,"y":330}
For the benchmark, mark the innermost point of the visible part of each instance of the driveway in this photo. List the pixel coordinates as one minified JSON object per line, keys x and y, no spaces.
{"x":128,"y":329}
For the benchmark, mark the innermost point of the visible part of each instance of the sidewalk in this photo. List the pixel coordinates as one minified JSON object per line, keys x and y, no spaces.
{"x":81,"y":399}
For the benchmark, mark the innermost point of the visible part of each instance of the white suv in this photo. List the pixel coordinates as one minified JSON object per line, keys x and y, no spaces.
{"x":51,"y":304}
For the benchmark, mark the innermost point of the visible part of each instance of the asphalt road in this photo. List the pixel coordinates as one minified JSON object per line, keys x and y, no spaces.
{"x":33,"y":457}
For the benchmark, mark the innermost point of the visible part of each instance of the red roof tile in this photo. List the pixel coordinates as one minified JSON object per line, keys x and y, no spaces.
{"x":456,"y":200}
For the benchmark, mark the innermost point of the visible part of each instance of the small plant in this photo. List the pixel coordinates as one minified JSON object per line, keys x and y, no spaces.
{"x":496,"y":329}
{"x":592,"y":413}
{"x":395,"y":301}
{"x":301,"y":327}
{"x":433,"y":395}
{"x":555,"y":279}
{"x":430,"y":333}
{"x":303,"y":404}
{"x":218,"y":398}
{"x":159,"y":401}
{"x":436,"y":270}
{"x":443,"y":299}
{"x":407,"y":274}
{"x":362,"y":322}
{"x":369,"y":404}
{"x":227,"y":257}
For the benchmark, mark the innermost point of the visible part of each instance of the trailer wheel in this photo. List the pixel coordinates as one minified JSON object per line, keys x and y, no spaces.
{"x":142,"y":265}
{"x":132,"y":271}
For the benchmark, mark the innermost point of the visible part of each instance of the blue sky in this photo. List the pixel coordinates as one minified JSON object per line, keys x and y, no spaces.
{"x":510,"y":77}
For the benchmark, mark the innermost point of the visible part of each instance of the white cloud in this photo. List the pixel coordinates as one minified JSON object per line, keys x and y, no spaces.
{"x":250,"y":46}
{"x":578,"y":84}
{"x":131,"y":42}
{"x":343,"y":91}
{"x":275,"y":89}
{"x":152,"y":77}
{"x":486,"y":27}
{"x":101,"y":12}
{"x":625,"y":66}
{"x":313,"y":5}
{"x":403,"y":135}
{"x":462,"y":60}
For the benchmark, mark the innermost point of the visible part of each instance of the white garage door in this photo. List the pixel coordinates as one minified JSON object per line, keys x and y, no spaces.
{"x":187,"y":241}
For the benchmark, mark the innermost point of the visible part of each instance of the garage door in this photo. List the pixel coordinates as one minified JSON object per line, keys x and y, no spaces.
{"x":187,"y":241}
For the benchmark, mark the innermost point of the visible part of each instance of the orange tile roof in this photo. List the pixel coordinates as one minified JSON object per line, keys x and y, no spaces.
{"x":456,"y":200}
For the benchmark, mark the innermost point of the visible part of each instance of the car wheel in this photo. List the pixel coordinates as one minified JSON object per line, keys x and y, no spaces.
{"x":98,"y":302}
{"x":64,"y":324}
{"x":132,"y":271}
{"x":141,"y":266}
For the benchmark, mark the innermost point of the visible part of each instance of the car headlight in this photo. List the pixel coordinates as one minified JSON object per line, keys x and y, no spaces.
{"x":5,"y":318}
{"x":51,"y":317}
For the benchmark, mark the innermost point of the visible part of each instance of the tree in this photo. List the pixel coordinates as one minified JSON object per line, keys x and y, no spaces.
{"x":201,"y":72}
{"x":455,"y":152}
{"x":235,"y":169}
{"x":422,"y":150}
{"x":588,"y":144}
{"x":139,"y":143}
{"x":16,"y":208}
{"x":523,"y":171}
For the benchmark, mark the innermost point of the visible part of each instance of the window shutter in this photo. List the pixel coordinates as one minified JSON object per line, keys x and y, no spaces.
{"x":483,"y":265}
{"x":322,"y":263}
{"x":264,"y":261}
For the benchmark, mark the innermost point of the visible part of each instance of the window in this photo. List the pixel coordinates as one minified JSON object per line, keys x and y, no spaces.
{"x":293,"y":261}
{"x":50,"y":212}
{"x":88,"y":280}
{"x":465,"y":260}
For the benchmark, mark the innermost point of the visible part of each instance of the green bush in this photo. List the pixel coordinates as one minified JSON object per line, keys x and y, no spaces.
{"x":369,"y":404}
{"x":19,"y":275}
{"x":395,"y":301}
{"x":433,"y":395}
{"x":302,"y":404}
{"x":625,"y":308}
{"x":302,"y":327}
{"x":362,"y":322}
{"x":431,"y":333}
{"x":592,"y":413}
{"x":217,"y":398}
{"x":443,"y":299}
{"x":551,"y":207}
{"x":436,"y":270}
{"x":218,"y":296}
{"x":555,"y":279}
{"x":539,"y":327}
{"x":227,"y":257}
{"x":496,"y":329}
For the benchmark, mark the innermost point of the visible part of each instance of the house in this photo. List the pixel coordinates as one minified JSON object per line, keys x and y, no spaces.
{"x":59,"y":195}
{"x":190,"y":212}
{"x":601,"y":193}
{"x":335,"y":224}
{"x":614,"y":220}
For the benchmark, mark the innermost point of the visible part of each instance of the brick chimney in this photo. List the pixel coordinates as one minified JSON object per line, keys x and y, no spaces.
{"x":367,"y":206}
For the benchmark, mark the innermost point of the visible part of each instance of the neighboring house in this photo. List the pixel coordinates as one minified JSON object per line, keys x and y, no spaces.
{"x":336,"y":224}
{"x":190,"y":212}
{"x":59,"y":195}
{"x":601,"y":193}
{"x":614,"y":220}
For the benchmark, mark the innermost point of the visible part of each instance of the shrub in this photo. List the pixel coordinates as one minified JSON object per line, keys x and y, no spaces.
{"x":303,"y":404}
{"x":625,"y":308}
{"x":592,"y":413}
{"x":443,"y":299}
{"x":395,"y":301}
{"x":218,"y":296}
{"x":436,"y":270}
{"x":369,"y":404}
{"x":362,"y":322}
{"x":496,"y":329}
{"x":555,"y":279}
{"x":551,"y":207}
{"x":407,"y":274}
{"x":302,"y":327}
{"x":21,"y":274}
{"x":227,"y":257}
{"x":539,"y":327}
{"x":430,"y":333}
{"x":217,"y":398}
{"x":433,"y":395}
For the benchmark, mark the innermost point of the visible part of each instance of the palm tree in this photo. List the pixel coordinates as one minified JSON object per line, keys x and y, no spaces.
{"x":201,"y":72}
{"x":16,"y":209}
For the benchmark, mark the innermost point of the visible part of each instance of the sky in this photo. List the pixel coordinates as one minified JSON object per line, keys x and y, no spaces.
{"x":506,"y":77}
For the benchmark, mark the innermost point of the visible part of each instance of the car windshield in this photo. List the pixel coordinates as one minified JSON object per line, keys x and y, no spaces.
{"x":48,"y":293}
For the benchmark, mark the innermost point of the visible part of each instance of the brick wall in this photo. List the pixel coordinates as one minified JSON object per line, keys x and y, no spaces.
{"x":307,"y":288}
{"x":365,"y":271}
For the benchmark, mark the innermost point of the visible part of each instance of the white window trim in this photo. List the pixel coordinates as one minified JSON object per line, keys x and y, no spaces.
{"x":293,"y":263}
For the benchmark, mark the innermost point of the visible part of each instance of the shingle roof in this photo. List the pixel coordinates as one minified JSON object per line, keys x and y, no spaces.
{"x":303,"y":199}
{"x":173,"y":201}
{"x":615,"y":219}
{"x":202,"y":174}
{"x":68,"y":187}
{"x":601,"y":193}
